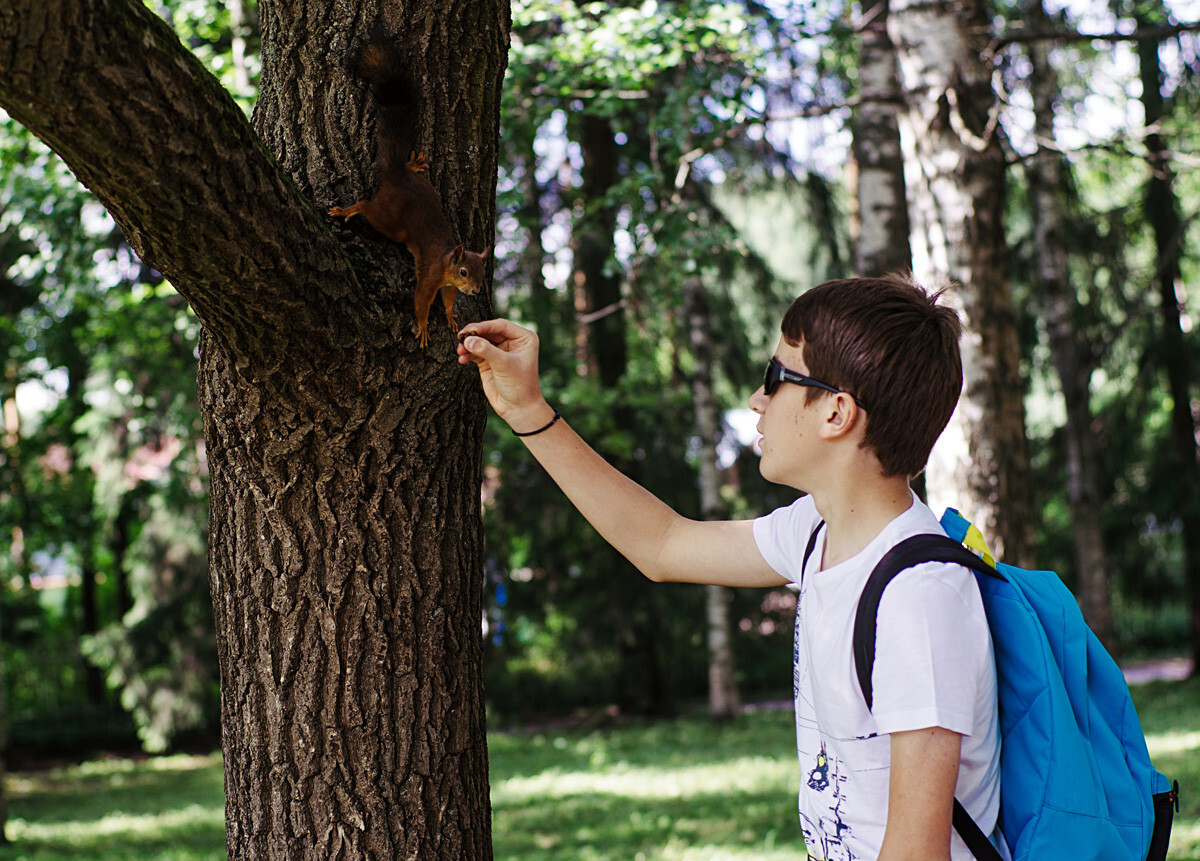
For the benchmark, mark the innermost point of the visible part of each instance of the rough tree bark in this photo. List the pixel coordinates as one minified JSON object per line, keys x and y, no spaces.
{"x":955,"y":175}
{"x":346,"y":545}
{"x":1071,"y":353}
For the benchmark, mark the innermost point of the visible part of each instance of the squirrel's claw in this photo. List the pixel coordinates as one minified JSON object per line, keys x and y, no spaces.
{"x":416,"y":162}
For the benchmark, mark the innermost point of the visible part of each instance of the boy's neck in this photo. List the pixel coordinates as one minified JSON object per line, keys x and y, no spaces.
{"x":856,"y":513}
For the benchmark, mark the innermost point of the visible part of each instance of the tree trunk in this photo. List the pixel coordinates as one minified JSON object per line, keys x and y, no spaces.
{"x":883,"y":243}
{"x":1162,"y":211}
{"x":346,"y":541}
{"x":955,"y":174}
{"x":1070,"y":351}
{"x":723,"y":699}
{"x":81,"y":518}
{"x":601,"y":351}
{"x":597,"y":286}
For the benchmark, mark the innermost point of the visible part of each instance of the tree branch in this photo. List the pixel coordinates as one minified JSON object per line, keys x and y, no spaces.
{"x":1158,"y":34}
{"x":108,"y":86}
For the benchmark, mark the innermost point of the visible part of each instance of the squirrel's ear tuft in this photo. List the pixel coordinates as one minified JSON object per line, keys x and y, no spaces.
{"x":485,"y":253}
{"x":457,"y":254}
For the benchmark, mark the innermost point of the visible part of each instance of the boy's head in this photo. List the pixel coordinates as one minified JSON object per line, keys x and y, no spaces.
{"x":890,"y":343}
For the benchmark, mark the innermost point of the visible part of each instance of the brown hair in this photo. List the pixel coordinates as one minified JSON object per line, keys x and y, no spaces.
{"x":886,"y":341}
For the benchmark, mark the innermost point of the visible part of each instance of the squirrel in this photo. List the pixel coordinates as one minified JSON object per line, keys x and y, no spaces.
{"x":407,"y":208}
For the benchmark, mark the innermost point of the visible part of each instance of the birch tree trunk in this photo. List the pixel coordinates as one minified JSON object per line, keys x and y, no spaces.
{"x":723,"y":699}
{"x":346,"y":542}
{"x":1070,"y":351}
{"x":955,"y":175}
{"x":883,"y":233}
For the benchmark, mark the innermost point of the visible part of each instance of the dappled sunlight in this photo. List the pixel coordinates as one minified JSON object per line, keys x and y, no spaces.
{"x":169,"y":808}
{"x":1185,"y":840}
{"x":1162,"y":744}
{"x":669,"y":791}
{"x":132,"y":829}
{"x":747,"y":775}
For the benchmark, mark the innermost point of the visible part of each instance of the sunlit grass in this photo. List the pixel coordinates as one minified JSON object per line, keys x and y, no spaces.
{"x":677,"y":791}
{"x":685,"y":790}
{"x":160,"y":809}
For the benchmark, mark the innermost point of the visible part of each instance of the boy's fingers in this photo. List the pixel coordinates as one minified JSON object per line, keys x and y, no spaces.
{"x":496,"y":331}
{"x":480,"y":347}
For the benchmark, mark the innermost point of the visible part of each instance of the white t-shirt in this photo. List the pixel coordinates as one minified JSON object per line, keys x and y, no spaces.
{"x":933,"y":667}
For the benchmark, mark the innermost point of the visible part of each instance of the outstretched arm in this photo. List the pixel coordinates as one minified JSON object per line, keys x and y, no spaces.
{"x":662,"y":544}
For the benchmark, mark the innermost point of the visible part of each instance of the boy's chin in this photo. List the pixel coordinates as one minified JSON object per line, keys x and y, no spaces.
{"x":767,"y":472}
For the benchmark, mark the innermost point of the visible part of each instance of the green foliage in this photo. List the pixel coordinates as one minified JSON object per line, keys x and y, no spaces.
{"x":1113,"y":263}
{"x":102,"y":480}
{"x":107,"y":476}
{"x":676,"y":90}
{"x":224,"y":36}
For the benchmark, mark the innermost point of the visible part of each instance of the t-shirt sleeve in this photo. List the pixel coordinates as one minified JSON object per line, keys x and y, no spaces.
{"x":782,"y":536}
{"x":933,"y":651}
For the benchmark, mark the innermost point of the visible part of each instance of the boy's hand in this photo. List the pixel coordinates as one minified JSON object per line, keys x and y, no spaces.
{"x":507,"y":356}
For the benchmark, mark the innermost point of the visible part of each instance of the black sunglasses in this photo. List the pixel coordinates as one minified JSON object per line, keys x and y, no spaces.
{"x":777,"y":373}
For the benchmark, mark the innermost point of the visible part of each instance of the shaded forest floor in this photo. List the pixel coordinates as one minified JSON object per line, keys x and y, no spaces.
{"x":679,"y":790}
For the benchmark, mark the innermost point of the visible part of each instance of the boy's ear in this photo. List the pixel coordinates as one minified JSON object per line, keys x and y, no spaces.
{"x":841,"y":416}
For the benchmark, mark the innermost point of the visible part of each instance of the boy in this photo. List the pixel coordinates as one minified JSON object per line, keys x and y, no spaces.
{"x":864,"y":379}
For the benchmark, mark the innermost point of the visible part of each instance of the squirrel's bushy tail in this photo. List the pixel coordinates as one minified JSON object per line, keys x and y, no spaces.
{"x":396,"y":105}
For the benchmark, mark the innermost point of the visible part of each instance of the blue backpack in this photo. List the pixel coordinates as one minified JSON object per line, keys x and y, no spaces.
{"x":1075,"y":775}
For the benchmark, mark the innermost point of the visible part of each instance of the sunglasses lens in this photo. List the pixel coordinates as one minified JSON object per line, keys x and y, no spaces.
{"x":772,"y":378}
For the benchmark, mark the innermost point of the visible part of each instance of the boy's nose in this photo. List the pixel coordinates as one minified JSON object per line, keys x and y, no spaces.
{"x":758,"y":401}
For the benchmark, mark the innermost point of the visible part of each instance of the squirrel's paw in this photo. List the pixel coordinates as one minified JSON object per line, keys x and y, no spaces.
{"x":416,"y":162}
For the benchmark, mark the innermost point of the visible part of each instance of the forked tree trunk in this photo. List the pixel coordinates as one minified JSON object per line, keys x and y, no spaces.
{"x":955,"y":173}
{"x":346,"y":541}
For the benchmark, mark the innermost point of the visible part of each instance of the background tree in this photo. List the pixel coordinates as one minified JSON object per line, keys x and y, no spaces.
{"x":732,"y":131}
{"x":1071,"y":349}
{"x":1162,"y":213}
{"x":345,"y":540}
{"x":882,"y":244}
{"x":956,"y":190}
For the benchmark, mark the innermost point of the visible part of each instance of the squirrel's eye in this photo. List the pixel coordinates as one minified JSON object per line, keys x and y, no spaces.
{"x":462,"y":273}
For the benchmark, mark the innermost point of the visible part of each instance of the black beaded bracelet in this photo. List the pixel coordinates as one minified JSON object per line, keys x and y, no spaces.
{"x":539,"y":430}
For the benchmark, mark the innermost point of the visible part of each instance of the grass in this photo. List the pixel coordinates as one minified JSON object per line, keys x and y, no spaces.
{"x":683,"y":790}
{"x":161,"y":809}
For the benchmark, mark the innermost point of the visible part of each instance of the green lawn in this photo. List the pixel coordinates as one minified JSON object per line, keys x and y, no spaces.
{"x":161,"y":809}
{"x":682,"y":789}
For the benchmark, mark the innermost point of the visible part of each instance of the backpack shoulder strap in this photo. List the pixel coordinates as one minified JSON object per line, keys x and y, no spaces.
{"x":909,"y":552}
{"x":812,"y":545}
{"x":973,"y":835}
{"x":913,"y":551}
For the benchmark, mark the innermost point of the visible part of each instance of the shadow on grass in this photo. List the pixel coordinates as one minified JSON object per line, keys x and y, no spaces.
{"x":687,"y":789}
{"x":712,"y":825}
{"x":169,"y":809}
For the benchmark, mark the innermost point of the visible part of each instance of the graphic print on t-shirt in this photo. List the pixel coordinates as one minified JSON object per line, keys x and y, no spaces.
{"x":824,"y":782}
{"x":825,"y":837}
